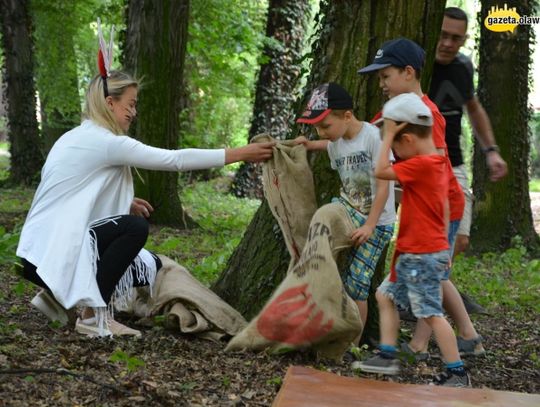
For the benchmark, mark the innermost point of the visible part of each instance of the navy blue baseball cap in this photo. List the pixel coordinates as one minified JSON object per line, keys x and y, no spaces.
{"x":400,"y":52}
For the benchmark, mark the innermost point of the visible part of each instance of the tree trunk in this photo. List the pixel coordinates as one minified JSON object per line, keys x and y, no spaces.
{"x":155,"y":51}
{"x":502,"y":210}
{"x":56,"y":69}
{"x":348,"y":37}
{"x":26,"y":158}
{"x":286,"y":25}
{"x":3,"y":112}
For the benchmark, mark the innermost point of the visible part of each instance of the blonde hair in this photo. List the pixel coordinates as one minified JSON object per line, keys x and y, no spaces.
{"x":96,"y":108}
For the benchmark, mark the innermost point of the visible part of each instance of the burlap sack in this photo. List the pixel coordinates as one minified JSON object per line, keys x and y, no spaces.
{"x":289,"y":190}
{"x":186,"y":304}
{"x":310,"y":308}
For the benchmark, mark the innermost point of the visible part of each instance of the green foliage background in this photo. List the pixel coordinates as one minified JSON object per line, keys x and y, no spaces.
{"x":223,"y":57}
{"x":221,"y":70}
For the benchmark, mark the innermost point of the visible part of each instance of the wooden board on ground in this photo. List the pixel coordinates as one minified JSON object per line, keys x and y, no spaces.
{"x":309,"y":387}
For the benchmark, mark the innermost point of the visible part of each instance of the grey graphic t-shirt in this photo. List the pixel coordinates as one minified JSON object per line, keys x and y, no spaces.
{"x":355,"y":160}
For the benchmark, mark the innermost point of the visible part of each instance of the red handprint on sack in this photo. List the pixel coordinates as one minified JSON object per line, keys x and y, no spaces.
{"x":289,"y":318}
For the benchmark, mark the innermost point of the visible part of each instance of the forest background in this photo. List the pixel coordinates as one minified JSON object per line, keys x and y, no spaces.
{"x":226,"y":47}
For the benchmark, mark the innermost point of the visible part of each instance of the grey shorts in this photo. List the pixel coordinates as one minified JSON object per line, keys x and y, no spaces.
{"x":460,"y":172}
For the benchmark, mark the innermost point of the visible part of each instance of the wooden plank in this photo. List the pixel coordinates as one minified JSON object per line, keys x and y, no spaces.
{"x":305,"y":387}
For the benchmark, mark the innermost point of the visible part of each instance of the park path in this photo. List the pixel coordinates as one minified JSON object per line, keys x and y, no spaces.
{"x":535,"y":207}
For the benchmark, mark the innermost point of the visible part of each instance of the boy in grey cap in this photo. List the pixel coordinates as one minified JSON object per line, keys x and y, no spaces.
{"x":398,"y":64}
{"x":422,"y":246}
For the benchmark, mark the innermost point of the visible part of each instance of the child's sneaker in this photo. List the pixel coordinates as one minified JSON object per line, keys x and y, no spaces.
{"x":471,"y":347}
{"x":350,"y":355}
{"x":90,"y":327}
{"x":52,"y":309}
{"x":409,"y":355}
{"x":378,"y":364}
{"x":448,"y":379}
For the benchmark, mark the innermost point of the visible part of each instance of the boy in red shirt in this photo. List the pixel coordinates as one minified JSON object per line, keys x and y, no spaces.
{"x":398,"y":64}
{"x":422,"y":246}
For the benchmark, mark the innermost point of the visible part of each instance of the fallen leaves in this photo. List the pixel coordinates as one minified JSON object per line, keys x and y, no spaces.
{"x":182,"y":370}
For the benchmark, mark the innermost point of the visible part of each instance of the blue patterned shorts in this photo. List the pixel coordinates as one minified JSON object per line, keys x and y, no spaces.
{"x":364,"y":258}
{"x":418,"y":283}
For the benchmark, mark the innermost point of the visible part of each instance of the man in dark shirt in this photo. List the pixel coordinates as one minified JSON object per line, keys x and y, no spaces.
{"x":452,"y":88}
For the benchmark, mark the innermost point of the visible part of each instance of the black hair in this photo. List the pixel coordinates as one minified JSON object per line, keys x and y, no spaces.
{"x":340,"y":112}
{"x":457,"y":14}
{"x":417,"y":72}
{"x":417,"y":129}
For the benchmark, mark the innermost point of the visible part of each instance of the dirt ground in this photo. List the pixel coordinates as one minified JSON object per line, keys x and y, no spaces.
{"x":43,"y":365}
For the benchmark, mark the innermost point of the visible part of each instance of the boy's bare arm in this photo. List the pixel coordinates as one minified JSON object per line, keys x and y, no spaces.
{"x":446,"y":216}
{"x":312,"y":145}
{"x":362,"y":234}
{"x":383,"y":168}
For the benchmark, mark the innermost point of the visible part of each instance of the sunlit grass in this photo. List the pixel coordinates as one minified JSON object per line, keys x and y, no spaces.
{"x":222,"y":218}
{"x":534,"y":185}
{"x":510,"y":279}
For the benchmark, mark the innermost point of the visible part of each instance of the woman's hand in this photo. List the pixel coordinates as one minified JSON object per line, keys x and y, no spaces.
{"x":140,"y":207}
{"x":255,"y":152}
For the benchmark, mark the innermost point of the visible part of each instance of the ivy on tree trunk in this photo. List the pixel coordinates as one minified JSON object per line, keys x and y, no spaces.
{"x":349,"y":34}
{"x":19,"y":92}
{"x":502,"y":210}
{"x":286,"y":26}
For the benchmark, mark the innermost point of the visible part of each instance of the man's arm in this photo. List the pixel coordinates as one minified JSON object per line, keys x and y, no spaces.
{"x":484,"y":134}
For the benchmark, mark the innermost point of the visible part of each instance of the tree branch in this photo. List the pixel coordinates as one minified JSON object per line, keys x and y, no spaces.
{"x":65,"y":372}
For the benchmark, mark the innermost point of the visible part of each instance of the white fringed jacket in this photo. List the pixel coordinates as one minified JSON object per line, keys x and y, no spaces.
{"x":87,"y":178}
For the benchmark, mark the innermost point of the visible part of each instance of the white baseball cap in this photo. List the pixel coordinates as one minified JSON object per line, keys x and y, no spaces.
{"x":409,"y":108}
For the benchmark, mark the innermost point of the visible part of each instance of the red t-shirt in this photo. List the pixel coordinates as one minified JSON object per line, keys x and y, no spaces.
{"x":425,"y":191}
{"x":455,"y":194}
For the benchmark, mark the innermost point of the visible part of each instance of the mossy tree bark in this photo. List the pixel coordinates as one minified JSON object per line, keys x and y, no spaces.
{"x":155,"y":51}
{"x":277,"y":81}
{"x":349,"y":34}
{"x":19,"y":92}
{"x":502,"y":210}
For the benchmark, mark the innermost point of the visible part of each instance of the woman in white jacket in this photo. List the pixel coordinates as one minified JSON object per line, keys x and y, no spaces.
{"x":84,"y":234}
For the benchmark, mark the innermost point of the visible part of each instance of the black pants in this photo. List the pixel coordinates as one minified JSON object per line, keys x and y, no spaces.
{"x":118,"y":242}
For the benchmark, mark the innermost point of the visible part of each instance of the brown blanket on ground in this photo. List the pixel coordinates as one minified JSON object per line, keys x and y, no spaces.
{"x":186,"y":304}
